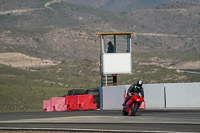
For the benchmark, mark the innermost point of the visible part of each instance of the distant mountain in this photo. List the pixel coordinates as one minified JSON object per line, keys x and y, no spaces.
{"x":54,"y":29}
{"x":118,"y":5}
{"x":63,"y":31}
{"x":127,"y":5}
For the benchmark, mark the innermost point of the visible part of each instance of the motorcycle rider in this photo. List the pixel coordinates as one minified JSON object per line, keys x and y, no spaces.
{"x":134,"y":88}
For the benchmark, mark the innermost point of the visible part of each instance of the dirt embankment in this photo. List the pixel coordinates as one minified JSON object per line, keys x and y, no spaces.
{"x":23,"y":61}
{"x":168,"y":63}
{"x":187,"y":65}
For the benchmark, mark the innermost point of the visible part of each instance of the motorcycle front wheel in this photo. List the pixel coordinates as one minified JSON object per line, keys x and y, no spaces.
{"x":134,"y":108}
{"x":124,"y":112}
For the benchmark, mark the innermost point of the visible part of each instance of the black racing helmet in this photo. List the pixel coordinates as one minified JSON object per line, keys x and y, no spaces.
{"x":139,"y":83}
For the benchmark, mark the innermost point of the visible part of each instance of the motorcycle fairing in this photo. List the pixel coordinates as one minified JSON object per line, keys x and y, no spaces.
{"x":131,"y":101}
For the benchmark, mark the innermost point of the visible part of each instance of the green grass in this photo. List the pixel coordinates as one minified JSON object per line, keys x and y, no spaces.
{"x":176,"y":56}
{"x":24,"y":91}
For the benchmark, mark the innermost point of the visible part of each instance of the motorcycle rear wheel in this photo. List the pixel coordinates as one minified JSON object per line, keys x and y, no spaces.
{"x":134,"y":109}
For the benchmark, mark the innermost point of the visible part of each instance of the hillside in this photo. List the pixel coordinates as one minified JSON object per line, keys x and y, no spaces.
{"x":56,"y":30}
{"x":58,"y":41}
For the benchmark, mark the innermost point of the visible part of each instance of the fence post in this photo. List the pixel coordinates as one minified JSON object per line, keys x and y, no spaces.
{"x":165,"y":100}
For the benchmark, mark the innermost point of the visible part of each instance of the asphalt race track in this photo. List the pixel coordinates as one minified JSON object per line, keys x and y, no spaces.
{"x":162,"y":120}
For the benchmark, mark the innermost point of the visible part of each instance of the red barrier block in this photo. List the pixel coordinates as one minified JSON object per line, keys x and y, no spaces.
{"x":47,"y":106}
{"x":71,"y":102}
{"x":142,"y":106}
{"x":58,"y":104}
{"x":85,"y":102}
{"x":80,"y":102}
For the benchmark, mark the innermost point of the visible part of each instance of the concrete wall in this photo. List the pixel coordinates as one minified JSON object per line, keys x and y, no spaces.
{"x":156,"y":95}
{"x":183,"y":95}
{"x":113,"y":97}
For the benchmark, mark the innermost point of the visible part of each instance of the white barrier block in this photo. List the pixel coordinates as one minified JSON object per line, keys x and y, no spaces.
{"x":154,"y":95}
{"x":183,"y":94}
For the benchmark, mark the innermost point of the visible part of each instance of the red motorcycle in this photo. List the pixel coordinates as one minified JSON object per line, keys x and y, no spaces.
{"x":133,"y":104}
